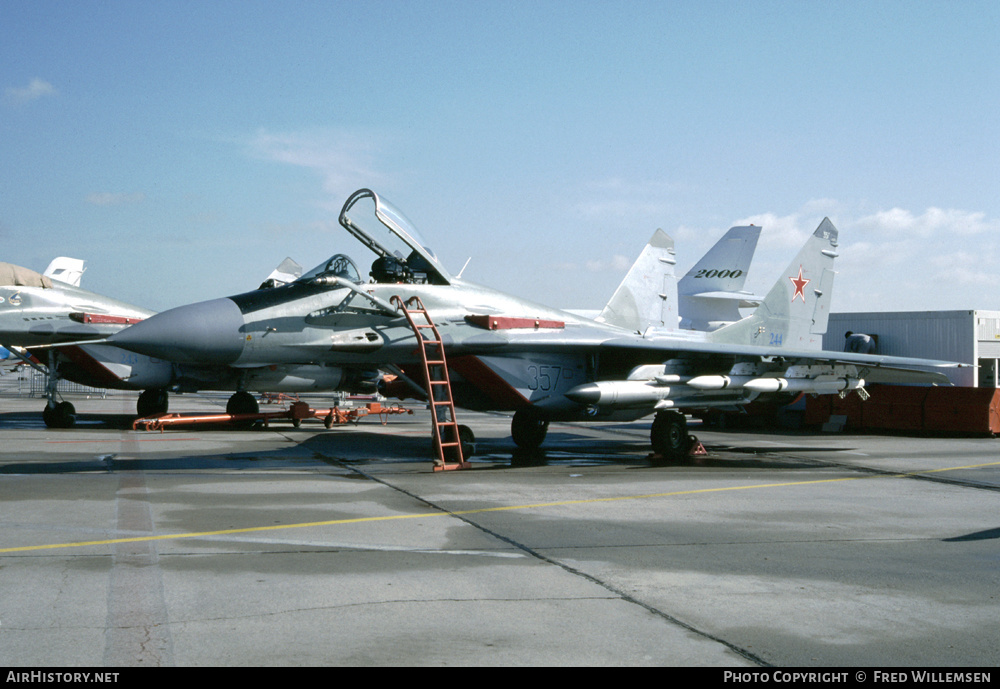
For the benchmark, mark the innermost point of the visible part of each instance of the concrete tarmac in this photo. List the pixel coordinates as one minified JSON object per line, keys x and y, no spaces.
{"x":306,"y":546}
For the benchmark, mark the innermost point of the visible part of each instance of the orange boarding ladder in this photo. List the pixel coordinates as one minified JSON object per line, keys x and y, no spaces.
{"x":447,"y":442}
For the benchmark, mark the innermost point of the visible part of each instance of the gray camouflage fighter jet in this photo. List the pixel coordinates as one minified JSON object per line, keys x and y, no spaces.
{"x":494,"y":351}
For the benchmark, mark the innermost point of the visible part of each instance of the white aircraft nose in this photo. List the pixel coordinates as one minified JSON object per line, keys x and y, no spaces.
{"x":208,"y":332}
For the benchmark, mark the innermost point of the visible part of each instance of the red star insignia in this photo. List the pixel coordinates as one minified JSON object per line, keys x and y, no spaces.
{"x":800,"y":286}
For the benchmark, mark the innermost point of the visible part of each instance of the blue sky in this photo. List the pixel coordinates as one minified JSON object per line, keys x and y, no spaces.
{"x":185,"y":148}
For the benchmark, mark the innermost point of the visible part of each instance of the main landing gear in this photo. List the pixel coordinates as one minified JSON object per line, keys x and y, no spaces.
{"x":242,"y":402}
{"x":155,"y":402}
{"x":528,"y":429}
{"x":669,"y":434}
{"x":670,"y":438}
{"x":59,"y":415}
{"x":56,"y":414}
{"x":152,"y":403}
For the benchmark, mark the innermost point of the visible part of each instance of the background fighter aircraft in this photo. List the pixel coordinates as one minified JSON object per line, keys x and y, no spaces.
{"x":506,"y":353}
{"x":38,"y":310}
{"x":711,"y":293}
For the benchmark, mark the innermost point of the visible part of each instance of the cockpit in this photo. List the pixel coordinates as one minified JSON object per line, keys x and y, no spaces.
{"x":401,"y":255}
{"x":337,"y":266}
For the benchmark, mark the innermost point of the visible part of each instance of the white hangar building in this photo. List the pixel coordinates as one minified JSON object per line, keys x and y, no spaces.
{"x":970,"y":337}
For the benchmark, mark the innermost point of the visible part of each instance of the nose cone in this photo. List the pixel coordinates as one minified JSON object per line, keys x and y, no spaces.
{"x":205,"y":333}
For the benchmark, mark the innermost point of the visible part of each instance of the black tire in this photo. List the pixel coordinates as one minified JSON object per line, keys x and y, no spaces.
{"x":669,"y":436}
{"x":465,"y":436}
{"x":152,"y":403}
{"x":242,"y":403}
{"x":63,"y":415}
{"x":528,"y":429}
{"x":468,"y":440}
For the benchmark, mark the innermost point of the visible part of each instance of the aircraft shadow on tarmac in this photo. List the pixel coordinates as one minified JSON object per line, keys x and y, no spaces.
{"x":561,"y":448}
{"x":986,"y":535}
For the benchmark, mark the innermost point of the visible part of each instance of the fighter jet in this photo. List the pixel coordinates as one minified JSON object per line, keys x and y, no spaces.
{"x":36,"y":309}
{"x":67,"y":327}
{"x":494,"y":351}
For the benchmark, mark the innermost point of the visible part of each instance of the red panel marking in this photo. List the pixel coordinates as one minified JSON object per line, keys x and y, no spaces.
{"x":103,"y":377}
{"x":489,"y":382}
{"x":81,"y":317}
{"x":510,"y":323}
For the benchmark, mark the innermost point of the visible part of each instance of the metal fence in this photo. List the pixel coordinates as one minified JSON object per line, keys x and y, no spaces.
{"x":25,"y":381}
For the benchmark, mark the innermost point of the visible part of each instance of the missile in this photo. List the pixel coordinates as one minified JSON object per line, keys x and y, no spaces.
{"x":618,"y":392}
{"x":823,"y":385}
{"x":719,"y":382}
{"x":657,"y":372}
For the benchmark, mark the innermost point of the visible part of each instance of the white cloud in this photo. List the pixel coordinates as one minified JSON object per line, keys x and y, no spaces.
{"x":932,"y":222}
{"x":344,"y":161}
{"x":892,"y":260}
{"x":935,"y":260}
{"x":38,"y":88}
{"x":781,"y":231}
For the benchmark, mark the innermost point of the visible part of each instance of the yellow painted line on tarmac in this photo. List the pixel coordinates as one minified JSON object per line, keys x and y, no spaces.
{"x":483,"y":510}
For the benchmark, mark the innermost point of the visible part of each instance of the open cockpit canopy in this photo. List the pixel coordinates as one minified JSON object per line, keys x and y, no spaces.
{"x":402,"y":254}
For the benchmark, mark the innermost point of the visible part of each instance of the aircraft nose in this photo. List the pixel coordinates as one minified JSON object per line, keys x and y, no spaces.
{"x":204,"y":333}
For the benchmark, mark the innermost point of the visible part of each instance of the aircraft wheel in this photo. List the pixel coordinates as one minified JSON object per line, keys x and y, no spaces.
{"x":152,"y":403}
{"x":669,"y":436}
{"x":468,"y":440}
{"x":465,"y":436}
{"x":63,"y":415}
{"x":528,"y":429}
{"x":242,"y":403}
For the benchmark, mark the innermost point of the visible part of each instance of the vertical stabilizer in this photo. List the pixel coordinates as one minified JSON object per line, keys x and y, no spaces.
{"x":710,"y":294}
{"x":796,"y":310}
{"x":647,"y":297}
{"x":67,"y":270}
